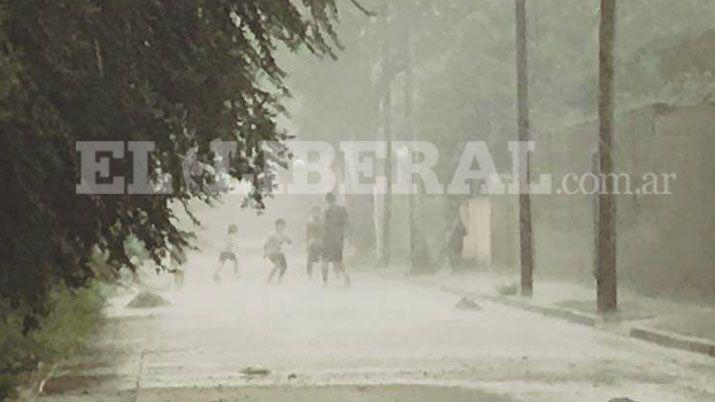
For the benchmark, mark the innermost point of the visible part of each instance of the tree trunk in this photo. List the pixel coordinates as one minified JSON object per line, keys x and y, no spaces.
{"x":606,"y":243}
{"x":525,"y":229}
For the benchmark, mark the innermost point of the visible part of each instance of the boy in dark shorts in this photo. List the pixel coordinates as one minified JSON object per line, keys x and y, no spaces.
{"x":273,"y":251}
{"x":335,"y":225}
{"x":228,"y":253}
{"x":314,"y":237}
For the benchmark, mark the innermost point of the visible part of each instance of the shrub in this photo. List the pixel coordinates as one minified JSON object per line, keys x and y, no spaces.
{"x":73,"y":316}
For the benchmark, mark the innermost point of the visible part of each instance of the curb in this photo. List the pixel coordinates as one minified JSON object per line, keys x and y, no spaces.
{"x":575,"y":317}
{"x":661,"y":338}
{"x":675,"y":341}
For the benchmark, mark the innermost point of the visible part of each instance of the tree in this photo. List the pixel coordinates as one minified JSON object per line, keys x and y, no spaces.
{"x":388,"y":68}
{"x":420,"y":257}
{"x":179,"y":73}
{"x":525,"y":230}
{"x":606,"y":225}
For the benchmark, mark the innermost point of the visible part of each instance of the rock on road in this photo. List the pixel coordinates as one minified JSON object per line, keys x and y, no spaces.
{"x":380,"y":340}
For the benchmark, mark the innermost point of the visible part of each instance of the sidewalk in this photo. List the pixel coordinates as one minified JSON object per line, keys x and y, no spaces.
{"x":664,"y":322}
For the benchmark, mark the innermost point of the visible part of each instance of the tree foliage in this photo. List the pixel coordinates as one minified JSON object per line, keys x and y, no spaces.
{"x":179,"y":73}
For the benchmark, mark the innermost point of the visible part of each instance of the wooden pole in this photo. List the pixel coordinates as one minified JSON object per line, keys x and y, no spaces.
{"x":525,"y":229}
{"x":606,"y":277}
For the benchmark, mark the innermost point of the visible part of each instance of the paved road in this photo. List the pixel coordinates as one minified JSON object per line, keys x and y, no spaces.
{"x":380,"y":340}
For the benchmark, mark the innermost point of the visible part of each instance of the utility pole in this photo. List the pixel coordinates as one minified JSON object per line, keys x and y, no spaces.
{"x":419,"y":255}
{"x":606,"y":278}
{"x":387,"y":133}
{"x":525,"y":227}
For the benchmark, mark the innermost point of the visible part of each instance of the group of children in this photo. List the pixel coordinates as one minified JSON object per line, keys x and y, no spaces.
{"x":325,"y":235}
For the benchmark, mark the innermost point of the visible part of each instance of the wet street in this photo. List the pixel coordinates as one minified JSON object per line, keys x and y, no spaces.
{"x":382,"y":339}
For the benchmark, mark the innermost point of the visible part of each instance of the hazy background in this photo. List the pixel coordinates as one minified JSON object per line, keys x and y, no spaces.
{"x":464,"y":89}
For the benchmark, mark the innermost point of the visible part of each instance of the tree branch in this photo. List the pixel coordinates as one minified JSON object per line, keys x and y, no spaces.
{"x":364,"y":10}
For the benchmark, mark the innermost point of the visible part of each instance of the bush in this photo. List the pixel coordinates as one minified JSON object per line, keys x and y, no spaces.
{"x":73,"y":316}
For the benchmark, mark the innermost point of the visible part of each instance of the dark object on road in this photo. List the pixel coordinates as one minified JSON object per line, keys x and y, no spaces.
{"x":467,"y":304}
{"x":255,"y":372}
{"x":147,"y":300}
{"x":292,"y":376}
{"x":622,"y":400}
{"x":508,"y":289}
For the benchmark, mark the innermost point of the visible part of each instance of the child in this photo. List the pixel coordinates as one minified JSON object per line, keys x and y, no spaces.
{"x":314,"y":238}
{"x":228,"y":253}
{"x":273,"y":251}
{"x":177,"y":258}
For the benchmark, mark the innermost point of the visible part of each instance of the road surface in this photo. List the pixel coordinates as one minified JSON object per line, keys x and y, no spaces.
{"x":381,"y":340}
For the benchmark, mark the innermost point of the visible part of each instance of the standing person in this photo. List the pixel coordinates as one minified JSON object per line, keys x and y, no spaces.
{"x":273,"y":251}
{"x":455,"y":243}
{"x":314,"y":237}
{"x":228,"y":253}
{"x":335,"y":226}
